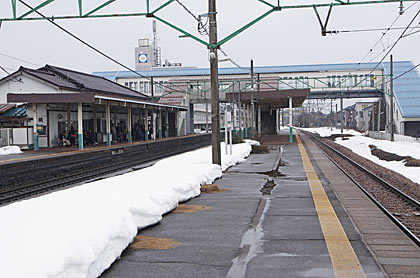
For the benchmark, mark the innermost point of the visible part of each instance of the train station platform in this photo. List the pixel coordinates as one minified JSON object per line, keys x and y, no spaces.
{"x":287,"y":213}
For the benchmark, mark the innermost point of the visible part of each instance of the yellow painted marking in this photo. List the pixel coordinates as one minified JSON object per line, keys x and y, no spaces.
{"x":343,"y":258}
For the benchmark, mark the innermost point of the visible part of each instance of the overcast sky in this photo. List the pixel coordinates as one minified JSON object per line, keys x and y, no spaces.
{"x":288,"y":37}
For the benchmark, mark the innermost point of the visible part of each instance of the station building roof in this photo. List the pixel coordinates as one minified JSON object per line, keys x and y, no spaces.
{"x":406,"y":87}
{"x":80,"y":87}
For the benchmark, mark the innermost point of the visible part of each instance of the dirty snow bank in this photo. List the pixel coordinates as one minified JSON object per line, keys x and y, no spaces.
{"x":80,"y":231}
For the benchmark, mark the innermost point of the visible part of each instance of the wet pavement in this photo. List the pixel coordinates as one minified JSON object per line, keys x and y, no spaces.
{"x":245,"y":232}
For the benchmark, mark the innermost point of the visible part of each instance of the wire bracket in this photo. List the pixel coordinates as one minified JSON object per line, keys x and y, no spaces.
{"x":323,"y":25}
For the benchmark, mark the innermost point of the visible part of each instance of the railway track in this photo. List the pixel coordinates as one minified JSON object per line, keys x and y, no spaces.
{"x":17,"y":191}
{"x":400,"y":207}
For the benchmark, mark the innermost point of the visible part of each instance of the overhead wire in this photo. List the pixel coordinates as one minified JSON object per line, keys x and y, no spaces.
{"x":392,"y":47}
{"x":18,"y":59}
{"x":100,"y":52}
{"x":376,"y":43}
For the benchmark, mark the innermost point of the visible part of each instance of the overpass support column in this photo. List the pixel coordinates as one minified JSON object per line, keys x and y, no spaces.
{"x":146,"y":124}
{"x":129,"y":123}
{"x":291,"y":118}
{"x":34,"y":107}
{"x":108,"y":124}
{"x":80,"y":124}
{"x":259,"y":120}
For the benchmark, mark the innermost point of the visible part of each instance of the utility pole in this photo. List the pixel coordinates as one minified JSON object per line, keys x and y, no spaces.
{"x":214,"y":75}
{"x":252,"y":101}
{"x":391,"y":107}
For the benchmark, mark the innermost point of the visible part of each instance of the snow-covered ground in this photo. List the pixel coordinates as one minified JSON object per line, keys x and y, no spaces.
{"x":327,"y":131}
{"x":359,"y":144}
{"x":10,"y":150}
{"x":80,"y":231}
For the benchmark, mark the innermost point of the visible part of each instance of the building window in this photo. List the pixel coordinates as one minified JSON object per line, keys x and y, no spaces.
{"x":126,"y":84}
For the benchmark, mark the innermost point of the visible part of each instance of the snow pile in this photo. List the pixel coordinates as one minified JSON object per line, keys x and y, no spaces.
{"x":360,"y":146}
{"x":10,"y":150}
{"x":80,"y":231}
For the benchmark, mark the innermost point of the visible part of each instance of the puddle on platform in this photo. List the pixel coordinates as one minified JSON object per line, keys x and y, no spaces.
{"x":318,"y":272}
{"x":251,"y":243}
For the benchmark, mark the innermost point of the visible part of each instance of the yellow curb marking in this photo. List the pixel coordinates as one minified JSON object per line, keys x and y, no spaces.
{"x":343,"y":258}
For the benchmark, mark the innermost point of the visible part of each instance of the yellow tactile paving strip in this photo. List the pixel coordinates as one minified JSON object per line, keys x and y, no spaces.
{"x":342,"y":255}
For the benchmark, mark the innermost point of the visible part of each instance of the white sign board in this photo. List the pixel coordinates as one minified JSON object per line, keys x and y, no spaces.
{"x":228,"y":119}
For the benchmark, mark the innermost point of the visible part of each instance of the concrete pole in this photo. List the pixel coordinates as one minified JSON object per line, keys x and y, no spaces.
{"x":252,"y":101}
{"x":68,"y":117}
{"x":176,"y":124}
{"x":259,"y":120}
{"x":80,"y":124}
{"x":108,"y":124}
{"x":336,"y":115}
{"x":166,"y":124}
{"x":35,"y":122}
{"x":239,"y":115}
{"x":160,"y":124}
{"x":341,"y":112}
{"x":214,"y":75}
{"x":207,"y":117}
{"x":95,"y":120}
{"x":146,"y":124}
{"x":379,"y":115}
{"x":391,"y":107}
{"x":291,"y":118}
{"x":129,"y":120}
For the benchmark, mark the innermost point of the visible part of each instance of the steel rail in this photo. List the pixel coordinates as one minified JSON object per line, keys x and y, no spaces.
{"x":395,"y":190}
{"x":15,"y":193}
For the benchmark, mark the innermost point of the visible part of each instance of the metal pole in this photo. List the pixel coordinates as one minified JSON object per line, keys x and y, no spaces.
{"x":252,"y":101}
{"x":239,"y":116}
{"x":391,"y":108}
{"x":35,"y":122}
{"x":108,"y":124}
{"x":291,"y":118}
{"x":379,"y":114}
{"x":129,"y":123}
{"x":214,"y":75}
{"x":80,"y":124}
{"x":341,"y":112}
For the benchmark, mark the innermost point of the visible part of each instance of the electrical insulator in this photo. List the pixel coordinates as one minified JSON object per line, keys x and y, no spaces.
{"x":401,"y":8}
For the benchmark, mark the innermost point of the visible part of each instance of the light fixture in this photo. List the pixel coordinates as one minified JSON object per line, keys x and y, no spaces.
{"x":401,"y":8}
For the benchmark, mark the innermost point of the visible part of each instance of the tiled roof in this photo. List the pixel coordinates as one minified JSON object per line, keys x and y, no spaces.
{"x":15,"y":112}
{"x":6,"y":107}
{"x":78,"y":81}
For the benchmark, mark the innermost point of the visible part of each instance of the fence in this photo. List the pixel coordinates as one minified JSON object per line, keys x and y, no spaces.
{"x":397,"y":137}
{"x":16,"y":136}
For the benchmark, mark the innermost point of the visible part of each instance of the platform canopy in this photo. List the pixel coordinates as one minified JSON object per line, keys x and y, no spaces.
{"x":272,"y":99}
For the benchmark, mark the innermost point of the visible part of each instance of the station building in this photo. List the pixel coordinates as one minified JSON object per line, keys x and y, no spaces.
{"x":325,"y":81}
{"x":52,"y":100}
